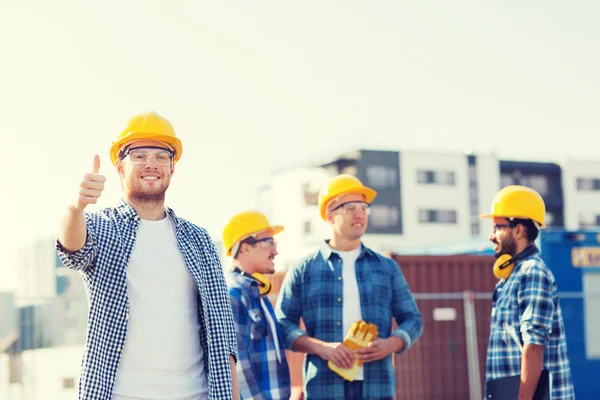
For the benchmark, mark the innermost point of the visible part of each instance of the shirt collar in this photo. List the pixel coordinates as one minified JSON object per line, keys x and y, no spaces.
{"x":127,"y":212}
{"x":327,"y":251}
{"x":243,"y":280}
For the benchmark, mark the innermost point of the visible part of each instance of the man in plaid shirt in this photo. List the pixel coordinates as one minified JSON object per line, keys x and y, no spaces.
{"x":527,"y":333}
{"x":341,"y":283}
{"x":160,"y":324}
{"x":262,"y":367}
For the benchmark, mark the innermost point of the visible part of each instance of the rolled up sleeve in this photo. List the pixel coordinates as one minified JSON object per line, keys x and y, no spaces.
{"x":84,"y":258}
{"x":405,"y":310}
{"x":288,"y":307}
{"x":536,"y":305}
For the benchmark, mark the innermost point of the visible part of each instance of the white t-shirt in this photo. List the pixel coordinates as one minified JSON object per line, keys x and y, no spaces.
{"x":351,"y":295}
{"x":162,"y":357}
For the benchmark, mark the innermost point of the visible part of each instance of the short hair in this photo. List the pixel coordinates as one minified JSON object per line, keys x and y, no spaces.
{"x":530,"y":227}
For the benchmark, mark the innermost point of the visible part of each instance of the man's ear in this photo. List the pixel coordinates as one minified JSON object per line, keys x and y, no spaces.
{"x":119,"y":166}
{"x":521,"y":231}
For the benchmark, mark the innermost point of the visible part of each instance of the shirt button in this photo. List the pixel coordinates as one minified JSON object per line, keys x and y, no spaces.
{"x":127,"y":317}
{"x":338,"y":324}
{"x":132,"y":237}
{"x":339,"y":278}
{"x":118,"y":349}
{"x":339,"y":299}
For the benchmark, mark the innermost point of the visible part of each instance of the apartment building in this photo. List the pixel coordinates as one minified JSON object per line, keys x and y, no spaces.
{"x":426,"y":198}
{"x":581,"y":187}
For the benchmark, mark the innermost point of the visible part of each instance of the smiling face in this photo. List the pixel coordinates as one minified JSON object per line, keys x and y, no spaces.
{"x":146,"y":171}
{"x":349,"y":216}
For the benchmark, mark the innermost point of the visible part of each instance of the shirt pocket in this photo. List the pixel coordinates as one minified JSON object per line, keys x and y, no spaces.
{"x":506,"y":317}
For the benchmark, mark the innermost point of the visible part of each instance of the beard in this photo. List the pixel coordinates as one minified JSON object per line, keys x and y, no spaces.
{"x":508,"y":246}
{"x":148,"y":196}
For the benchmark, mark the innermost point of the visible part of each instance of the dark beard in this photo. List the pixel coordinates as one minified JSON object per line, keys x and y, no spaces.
{"x":508,"y":247}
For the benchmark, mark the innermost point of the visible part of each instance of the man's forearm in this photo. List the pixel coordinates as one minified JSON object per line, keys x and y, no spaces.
{"x":309,"y":345}
{"x":532,"y":363}
{"x":234,"y":384}
{"x":72,"y":232}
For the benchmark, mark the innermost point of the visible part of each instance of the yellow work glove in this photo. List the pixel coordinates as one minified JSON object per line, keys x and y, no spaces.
{"x":359,"y":336}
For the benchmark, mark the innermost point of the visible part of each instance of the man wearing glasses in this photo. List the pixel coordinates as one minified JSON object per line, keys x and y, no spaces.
{"x":527,"y":334}
{"x":160,"y":323}
{"x":262,"y":367}
{"x":340,"y":283}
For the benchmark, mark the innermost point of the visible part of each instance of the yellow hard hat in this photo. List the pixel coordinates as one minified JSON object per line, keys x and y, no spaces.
{"x":147,"y":126}
{"x":245,"y":224}
{"x":343,"y":184}
{"x":517,"y":201}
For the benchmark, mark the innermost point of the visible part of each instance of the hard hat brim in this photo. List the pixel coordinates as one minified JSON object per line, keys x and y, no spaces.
{"x":173,"y":141}
{"x":492,"y":216}
{"x":273,"y":228}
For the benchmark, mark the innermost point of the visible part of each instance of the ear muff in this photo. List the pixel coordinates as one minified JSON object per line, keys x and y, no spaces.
{"x":505,"y":264}
{"x":264,"y":285}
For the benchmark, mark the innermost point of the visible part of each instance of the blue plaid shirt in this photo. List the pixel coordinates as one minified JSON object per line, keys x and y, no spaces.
{"x":527,"y":303}
{"x":102,"y":262}
{"x":260,"y":375}
{"x":313,"y":290}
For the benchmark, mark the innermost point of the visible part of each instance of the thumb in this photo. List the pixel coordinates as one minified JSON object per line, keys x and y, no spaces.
{"x":96,"y":167}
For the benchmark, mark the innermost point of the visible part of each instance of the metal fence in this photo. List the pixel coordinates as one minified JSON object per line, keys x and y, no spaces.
{"x":448,"y":361}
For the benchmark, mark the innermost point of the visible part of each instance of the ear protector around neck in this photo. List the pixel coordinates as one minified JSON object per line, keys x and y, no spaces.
{"x":505,"y":264}
{"x":264,"y":285}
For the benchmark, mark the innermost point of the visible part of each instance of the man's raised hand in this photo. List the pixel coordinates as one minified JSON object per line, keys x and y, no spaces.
{"x":91,"y":186}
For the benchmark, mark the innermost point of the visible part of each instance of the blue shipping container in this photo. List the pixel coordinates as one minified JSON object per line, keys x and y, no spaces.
{"x":574,"y":258}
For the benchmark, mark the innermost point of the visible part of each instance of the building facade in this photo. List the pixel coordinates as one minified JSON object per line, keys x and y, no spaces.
{"x":426,"y":198}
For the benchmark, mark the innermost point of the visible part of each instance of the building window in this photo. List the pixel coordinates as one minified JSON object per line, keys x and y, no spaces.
{"x":506,"y":180}
{"x":311,"y":197}
{"x":425,"y":176}
{"x":588,"y":184}
{"x":307,"y":227}
{"x":381,"y":176}
{"x":437,"y":216}
{"x":383,"y":216}
{"x":539,"y":183}
{"x":436,"y":177}
{"x":472,"y":173}
{"x":475,"y":229}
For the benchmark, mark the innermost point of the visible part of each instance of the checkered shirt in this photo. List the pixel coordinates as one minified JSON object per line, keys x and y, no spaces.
{"x":313,"y":290}
{"x":527,"y":303}
{"x":259,"y":374}
{"x":102,"y":262}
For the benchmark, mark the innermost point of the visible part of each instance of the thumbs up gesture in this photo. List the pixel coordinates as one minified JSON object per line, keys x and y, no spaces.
{"x":91,"y":186}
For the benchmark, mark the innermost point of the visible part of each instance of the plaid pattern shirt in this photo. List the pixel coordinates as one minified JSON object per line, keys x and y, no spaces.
{"x":527,"y":304}
{"x":102,"y":262}
{"x":260,"y":375}
{"x":313,"y":289}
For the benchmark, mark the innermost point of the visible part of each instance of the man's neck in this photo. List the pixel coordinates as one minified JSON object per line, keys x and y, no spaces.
{"x":154,"y":211}
{"x":244,"y":268}
{"x":522,"y":246}
{"x":342,"y":244}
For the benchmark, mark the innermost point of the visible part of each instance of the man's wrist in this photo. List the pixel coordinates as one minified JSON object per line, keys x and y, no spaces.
{"x":397,"y":343}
